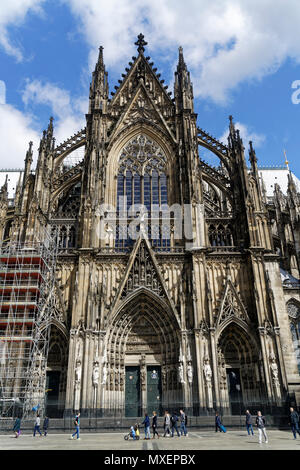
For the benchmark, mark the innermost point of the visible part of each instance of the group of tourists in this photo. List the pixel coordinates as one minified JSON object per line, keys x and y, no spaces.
{"x":171,"y":422}
{"x":174,"y":423}
{"x":37,"y":426}
{"x":260,"y":422}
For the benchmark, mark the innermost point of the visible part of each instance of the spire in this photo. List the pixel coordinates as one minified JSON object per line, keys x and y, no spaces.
{"x":286,"y":160}
{"x":181,"y":64}
{"x":50,"y":133}
{"x":231,"y":127}
{"x":252,"y":157}
{"x":141,"y":43}
{"x":183,"y":88}
{"x":100,"y":62}
{"x":4,"y":190}
{"x":99,"y":86}
{"x":28,"y":158}
{"x":28,"y":162}
{"x":234,"y":134}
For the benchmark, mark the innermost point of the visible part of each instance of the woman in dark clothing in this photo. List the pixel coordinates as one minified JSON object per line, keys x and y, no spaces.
{"x":46,"y":425}
{"x":146,"y":424}
{"x":17,"y":427}
{"x":219,"y":424}
{"x":154,"y":425}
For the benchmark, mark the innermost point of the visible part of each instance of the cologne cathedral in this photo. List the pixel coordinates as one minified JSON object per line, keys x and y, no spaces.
{"x":176,"y":283}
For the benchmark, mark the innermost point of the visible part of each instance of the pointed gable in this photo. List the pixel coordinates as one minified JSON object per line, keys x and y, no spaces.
{"x":142,"y":109}
{"x":141,"y":72}
{"x":143,"y":273}
{"x":231,"y":305}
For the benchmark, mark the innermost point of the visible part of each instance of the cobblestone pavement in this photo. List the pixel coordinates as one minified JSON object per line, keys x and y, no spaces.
{"x":196,"y":440}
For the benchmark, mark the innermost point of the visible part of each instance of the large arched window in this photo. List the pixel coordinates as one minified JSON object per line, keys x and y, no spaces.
{"x":142,"y":180}
{"x":293,"y":309}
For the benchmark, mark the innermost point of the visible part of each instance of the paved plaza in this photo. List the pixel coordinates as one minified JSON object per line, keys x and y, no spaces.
{"x":196,"y":440}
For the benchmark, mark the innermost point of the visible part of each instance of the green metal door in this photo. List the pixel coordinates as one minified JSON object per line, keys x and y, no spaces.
{"x":154,"y":389}
{"x":132,"y":391}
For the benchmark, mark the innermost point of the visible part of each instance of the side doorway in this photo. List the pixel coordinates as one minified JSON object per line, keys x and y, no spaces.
{"x":52,"y":393}
{"x":235,"y":390}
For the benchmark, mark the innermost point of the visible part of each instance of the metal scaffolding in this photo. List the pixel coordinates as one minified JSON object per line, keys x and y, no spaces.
{"x":27,"y":279}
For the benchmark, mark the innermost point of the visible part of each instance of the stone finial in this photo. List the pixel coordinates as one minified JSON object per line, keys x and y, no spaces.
{"x":141,"y":43}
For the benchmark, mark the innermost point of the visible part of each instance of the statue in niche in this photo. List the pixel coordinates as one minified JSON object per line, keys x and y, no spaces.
{"x":78,"y":373}
{"x":180,"y":373}
{"x":96,"y":374}
{"x":190,"y":372}
{"x":274,"y":369}
{"x":104,"y":374}
{"x":207,"y":372}
{"x":164,"y":376}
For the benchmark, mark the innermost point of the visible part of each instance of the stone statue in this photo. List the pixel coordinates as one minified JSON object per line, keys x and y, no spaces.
{"x":104,"y":374}
{"x":180,"y":373}
{"x":78,"y":373}
{"x":164,"y":376}
{"x":207,"y":372}
{"x":96,"y":374}
{"x":274,"y":369}
{"x":275,"y":378}
{"x":190,"y":372}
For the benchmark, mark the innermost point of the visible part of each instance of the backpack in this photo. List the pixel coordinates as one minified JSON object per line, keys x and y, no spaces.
{"x":174,"y":418}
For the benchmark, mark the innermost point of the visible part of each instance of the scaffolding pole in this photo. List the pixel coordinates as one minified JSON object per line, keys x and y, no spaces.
{"x":27,"y":279}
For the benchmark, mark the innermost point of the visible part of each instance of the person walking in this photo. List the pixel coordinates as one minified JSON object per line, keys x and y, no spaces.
{"x":46,"y":425}
{"x":249,"y":423}
{"x":174,"y":420}
{"x":154,"y":425}
{"x":17,"y":427}
{"x":146,"y":424}
{"x":37,"y":425}
{"x":260,"y":423}
{"x":167,"y":424}
{"x":294,"y":422}
{"x":77,"y":426}
{"x":183,"y":420}
{"x":219,"y":425}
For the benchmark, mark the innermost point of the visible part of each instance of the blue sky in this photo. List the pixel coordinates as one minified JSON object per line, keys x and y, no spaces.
{"x":243,"y":57}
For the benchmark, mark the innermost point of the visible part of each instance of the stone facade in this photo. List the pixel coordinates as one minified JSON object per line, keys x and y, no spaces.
{"x":203,"y":320}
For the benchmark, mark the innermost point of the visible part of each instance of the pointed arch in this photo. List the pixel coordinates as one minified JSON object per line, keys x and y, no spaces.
{"x":124,"y":139}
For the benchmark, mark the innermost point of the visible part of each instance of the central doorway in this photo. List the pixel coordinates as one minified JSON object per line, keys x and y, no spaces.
{"x":154,"y":390}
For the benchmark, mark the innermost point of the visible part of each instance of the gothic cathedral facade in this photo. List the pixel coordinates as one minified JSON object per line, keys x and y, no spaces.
{"x":152,"y":313}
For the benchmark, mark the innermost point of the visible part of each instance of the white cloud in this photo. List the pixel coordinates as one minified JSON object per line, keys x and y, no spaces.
{"x":69,"y":113}
{"x":13,"y":13}
{"x":225,"y":42}
{"x":16,"y":130}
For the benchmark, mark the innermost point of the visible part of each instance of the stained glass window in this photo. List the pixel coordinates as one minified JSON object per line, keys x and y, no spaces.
{"x":142,"y":180}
